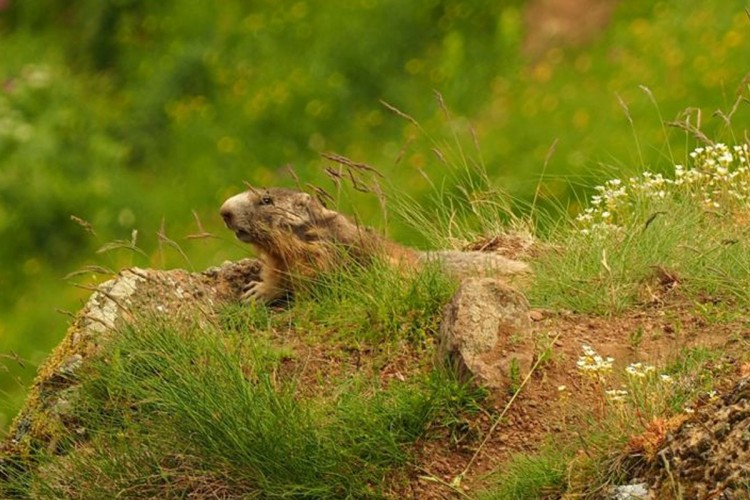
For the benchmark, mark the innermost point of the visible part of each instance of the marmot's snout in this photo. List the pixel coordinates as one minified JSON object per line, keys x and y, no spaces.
{"x":235,"y":213}
{"x":228,"y":211}
{"x":226,"y":214}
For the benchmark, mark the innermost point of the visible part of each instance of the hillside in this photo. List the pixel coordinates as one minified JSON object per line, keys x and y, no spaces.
{"x":138,"y":118}
{"x":625,"y":366}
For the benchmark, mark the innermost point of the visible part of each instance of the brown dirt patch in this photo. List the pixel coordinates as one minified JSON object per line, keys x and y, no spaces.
{"x":653,"y":335}
{"x":516,"y":246}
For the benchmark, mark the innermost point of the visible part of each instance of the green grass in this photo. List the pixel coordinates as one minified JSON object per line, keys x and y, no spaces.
{"x":175,"y":410}
{"x":527,"y":477}
{"x":171,"y":98}
{"x":377,"y":303}
{"x":658,"y":243}
{"x":373,"y":304}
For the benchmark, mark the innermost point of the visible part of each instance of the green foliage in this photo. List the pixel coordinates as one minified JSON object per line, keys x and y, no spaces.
{"x":56,"y":162}
{"x":701,"y":367}
{"x":656,"y":231}
{"x":180,"y":411}
{"x":372,"y":304}
{"x":152,"y":109}
{"x":531,"y":476}
{"x":375,"y":303}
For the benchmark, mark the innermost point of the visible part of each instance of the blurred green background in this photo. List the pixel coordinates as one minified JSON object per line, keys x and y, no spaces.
{"x":132,"y":115}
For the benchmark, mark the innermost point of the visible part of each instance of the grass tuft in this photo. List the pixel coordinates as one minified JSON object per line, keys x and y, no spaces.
{"x":528,"y":477}
{"x":687,"y":228}
{"x":179,"y":411}
{"x":374,"y":304}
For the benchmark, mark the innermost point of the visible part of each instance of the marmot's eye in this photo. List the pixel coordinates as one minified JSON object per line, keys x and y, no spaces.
{"x":266,"y":200}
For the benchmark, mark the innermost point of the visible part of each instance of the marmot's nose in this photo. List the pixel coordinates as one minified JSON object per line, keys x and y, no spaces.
{"x":233,"y":210}
{"x":227,"y":215}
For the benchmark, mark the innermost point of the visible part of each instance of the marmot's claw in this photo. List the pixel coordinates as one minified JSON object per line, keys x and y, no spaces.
{"x":251,"y":292}
{"x":257,"y":291}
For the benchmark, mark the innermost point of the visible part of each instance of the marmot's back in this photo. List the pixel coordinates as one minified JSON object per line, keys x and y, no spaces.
{"x":298,"y":236}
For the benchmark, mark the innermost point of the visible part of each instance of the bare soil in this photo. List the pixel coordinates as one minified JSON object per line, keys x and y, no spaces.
{"x":657,"y":333}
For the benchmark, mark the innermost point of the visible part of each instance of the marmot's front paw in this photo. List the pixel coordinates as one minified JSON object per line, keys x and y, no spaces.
{"x":258,"y":291}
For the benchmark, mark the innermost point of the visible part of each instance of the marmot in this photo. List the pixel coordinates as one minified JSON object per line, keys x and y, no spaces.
{"x":297,"y":236}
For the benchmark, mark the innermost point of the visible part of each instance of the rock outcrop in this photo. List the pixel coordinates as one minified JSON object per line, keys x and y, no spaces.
{"x":116,"y":303}
{"x":708,"y":456}
{"x":486,"y":332}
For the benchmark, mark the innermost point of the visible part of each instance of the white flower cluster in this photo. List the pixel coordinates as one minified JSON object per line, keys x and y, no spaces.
{"x":718,"y":176}
{"x":617,"y":395}
{"x":592,"y":364}
{"x":650,"y":185}
{"x":611,"y":199}
{"x":666,"y":378}
{"x":640,"y":375}
{"x":639,"y":370}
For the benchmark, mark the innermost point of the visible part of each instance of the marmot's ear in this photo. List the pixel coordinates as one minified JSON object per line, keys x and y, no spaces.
{"x":327,"y":214}
{"x":301,"y":201}
{"x":317,"y":210}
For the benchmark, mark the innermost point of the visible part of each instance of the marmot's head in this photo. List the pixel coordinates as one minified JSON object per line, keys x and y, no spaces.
{"x":264,"y":217}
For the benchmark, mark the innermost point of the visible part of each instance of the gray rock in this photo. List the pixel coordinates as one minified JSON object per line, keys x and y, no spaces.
{"x":637,"y":491}
{"x":70,"y":365}
{"x":486,"y":333}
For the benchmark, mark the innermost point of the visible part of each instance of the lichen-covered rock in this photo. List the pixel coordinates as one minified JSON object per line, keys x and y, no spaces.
{"x":486,"y":332}
{"x":708,"y":456}
{"x":132,"y":294}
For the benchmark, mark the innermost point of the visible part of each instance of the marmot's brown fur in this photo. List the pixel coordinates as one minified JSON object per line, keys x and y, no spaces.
{"x":298,"y":237}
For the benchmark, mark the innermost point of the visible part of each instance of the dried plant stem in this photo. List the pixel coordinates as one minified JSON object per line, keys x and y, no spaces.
{"x":457,"y":480}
